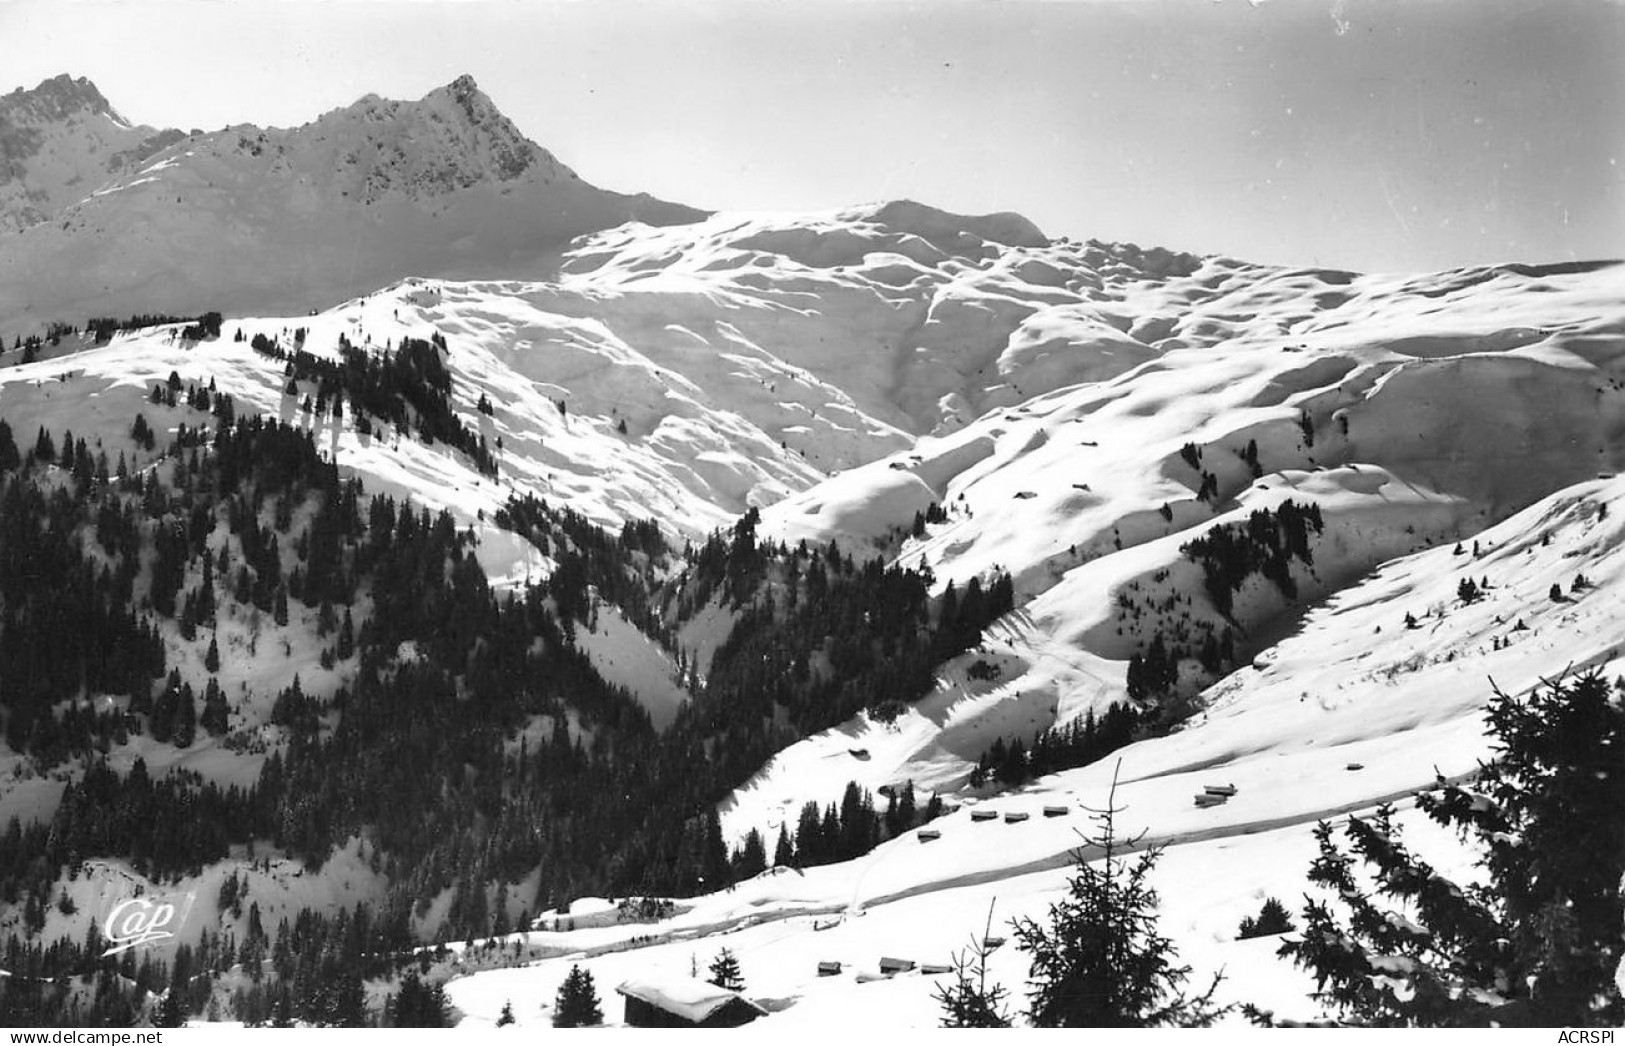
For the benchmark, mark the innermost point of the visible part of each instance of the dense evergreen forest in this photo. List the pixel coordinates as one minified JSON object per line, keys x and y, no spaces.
{"x":470,"y":744}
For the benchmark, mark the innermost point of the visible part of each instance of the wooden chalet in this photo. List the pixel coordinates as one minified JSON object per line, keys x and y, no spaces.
{"x":684,"y":1002}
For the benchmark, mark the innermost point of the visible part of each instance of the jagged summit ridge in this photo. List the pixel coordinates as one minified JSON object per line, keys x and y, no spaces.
{"x":467,"y":94}
{"x":61,"y":141}
{"x":57,"y":98}
{"x":452,"y":138}
{"x":252,"y":219}
{"x":512,"y":152}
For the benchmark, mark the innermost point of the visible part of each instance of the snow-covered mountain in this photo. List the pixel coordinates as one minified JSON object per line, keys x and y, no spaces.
{"x":958,"y":393}
{"x":250,"y":219}
{"x":61,"y":141}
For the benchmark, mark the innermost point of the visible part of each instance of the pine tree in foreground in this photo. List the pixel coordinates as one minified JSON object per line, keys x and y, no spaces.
{"x":576,"y":1005}
{"x":969,"y":1002}
{"x":505,"y":1018}
{"x":1538,"y":945}
{"x":725,"y":972}
{"x":1100,"y":962}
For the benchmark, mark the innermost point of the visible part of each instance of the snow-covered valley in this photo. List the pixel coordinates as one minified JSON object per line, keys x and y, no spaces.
{"x":952,"y":394}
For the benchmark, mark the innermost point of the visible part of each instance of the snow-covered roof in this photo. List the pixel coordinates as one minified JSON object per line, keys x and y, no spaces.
{"x":688,"y":997}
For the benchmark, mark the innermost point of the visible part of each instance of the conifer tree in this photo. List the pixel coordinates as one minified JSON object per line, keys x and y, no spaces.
{"x":906,"y":810}
{"x":714,"y":853}
{"x":505,"y":1018}
{"x":725,"y":972}
{"x":576,"y":1005}
{"x":1539,"y":944}
{"x":1272,"y":919}
{"x":9,"y":459}
{"x":215,"y":715}
{"x":751,"y":859}
{"x":809,"y":836}
{"x":346,"y":645}
{"x":162,"y":719}
{"x":185,"y":729}
{"x":1100,"y":962}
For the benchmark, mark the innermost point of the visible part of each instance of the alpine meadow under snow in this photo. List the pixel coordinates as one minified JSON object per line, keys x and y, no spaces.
{"x":1296,"y":525}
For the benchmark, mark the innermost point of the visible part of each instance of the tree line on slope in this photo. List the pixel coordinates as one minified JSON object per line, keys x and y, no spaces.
{"x":1079,"y":741}
{"x":407,"y":386}
{"x":1266,"y":545}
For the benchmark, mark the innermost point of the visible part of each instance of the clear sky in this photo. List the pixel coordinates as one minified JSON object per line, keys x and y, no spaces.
{"x":1367,"y":134}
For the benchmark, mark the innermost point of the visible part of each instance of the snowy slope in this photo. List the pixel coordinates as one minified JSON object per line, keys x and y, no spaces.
{"x":1353,"y":710}
{"x":772,"y":926}
{"x":1410,"y":448}
{"x":690,"y":372}
{"x":752,"y":358}
{"x":846,"y":369}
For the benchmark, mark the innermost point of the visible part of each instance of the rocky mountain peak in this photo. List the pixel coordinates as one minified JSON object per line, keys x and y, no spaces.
{"x":508,"y":151}
{"x":452,"y":138}
{"x":465,"y":90}
{"x":59,"y":142}
{"x":57,"y":98}
{"x":453,"y":186}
